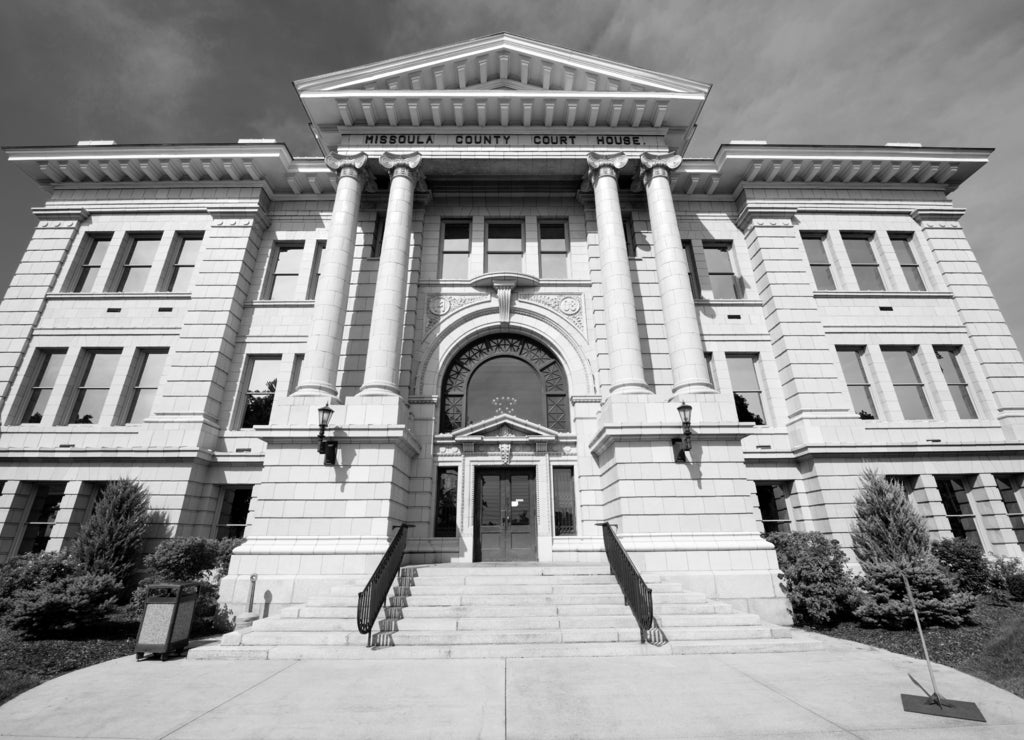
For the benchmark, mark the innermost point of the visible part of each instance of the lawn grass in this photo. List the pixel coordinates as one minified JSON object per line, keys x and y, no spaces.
{"x":28,"y":663}
{"x":991,"y":648}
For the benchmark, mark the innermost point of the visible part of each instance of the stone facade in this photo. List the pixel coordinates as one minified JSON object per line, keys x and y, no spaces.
{"x":819,"y":308}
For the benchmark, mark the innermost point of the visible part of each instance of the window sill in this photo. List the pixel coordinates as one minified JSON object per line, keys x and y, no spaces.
{"x":263,"y":303}
{"x":118,"y":296}
{"x":869,"y":294}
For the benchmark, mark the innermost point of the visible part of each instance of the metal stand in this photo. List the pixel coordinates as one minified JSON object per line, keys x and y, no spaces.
{"x":933,"y":703}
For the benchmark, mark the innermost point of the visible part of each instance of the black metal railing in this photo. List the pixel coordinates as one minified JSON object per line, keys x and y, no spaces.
{"x":372,"y":598}
{"x":636,"y":592}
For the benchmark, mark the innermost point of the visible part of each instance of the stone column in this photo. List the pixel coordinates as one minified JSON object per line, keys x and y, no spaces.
{"x":383,"y":356}
{"x":685,"y":344}
{"x":624,"y":359}
{"x":323,"y":347}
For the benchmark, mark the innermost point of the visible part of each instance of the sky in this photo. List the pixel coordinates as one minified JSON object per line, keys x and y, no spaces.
{"x":938,"y":72}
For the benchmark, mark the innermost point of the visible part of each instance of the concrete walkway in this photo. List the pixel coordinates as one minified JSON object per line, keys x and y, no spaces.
{"x":839,"y":692}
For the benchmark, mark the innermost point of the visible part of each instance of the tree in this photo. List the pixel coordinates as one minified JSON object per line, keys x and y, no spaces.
{"x":888,"y":529}
{"x":111,"y":539}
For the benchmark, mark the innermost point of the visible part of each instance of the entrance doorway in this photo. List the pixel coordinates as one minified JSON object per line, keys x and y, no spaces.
{"x":505,"y":520}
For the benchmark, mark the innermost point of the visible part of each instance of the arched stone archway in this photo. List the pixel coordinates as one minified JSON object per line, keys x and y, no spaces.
{"x":519,"y":356}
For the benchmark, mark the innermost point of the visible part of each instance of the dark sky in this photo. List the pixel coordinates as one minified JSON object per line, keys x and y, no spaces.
{"x":943,"y":73}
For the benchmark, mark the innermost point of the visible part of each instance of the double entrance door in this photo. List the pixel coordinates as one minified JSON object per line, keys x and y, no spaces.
{"x":505,"y":520}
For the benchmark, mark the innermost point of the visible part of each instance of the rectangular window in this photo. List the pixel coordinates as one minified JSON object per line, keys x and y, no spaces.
{"x":41,"y":517}
{"x":284,"y":272}
{"x":852,"y":361}
{"x":293,"y":383}
{"x":234,"y":511}
{"x":554,"y":249}
{"x":691,"y":268}
{"x":746,"y":390}
{"x":821,"y":268}
{"x":907,"y":382}
{"x":956,"y":382}
{"x":96,"y":248}
{"x":629,"y":232}
{"x":863,"y":261}
{"x":314,"y":280}
{"x":447,"y":495}
{"x":771,"y":502}
{"x":185,"y":258}
{"x":564,"y":490}
{"x":1009,"y":487}
{"x":724,"y":283}
{"x":47,"y":365}
{"x":504,"y":247}
{"x":377,"y":242}
{"x":454,"y":250}
{"x":98,"y":367}
{"x":147,"y":381}
{"x":260,"y":384}
{"x":953,"y":492}
{"x":905,"y":255}
{"x":138,"y":261}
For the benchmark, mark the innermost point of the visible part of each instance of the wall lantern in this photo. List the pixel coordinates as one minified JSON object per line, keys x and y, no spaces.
{"x":328,"y":449}
{"x":681,"y":446}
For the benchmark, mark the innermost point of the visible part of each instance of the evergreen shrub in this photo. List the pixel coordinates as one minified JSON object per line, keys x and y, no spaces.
{"x":204,"y":561}
{"x":886,"y":604}
{"x":966,"y":562}
{"x":814,"y":576}
{"x":49,"y":593}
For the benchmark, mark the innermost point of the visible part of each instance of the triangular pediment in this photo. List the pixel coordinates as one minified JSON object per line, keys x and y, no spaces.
{"x":505,"y":60}
{"x":504,"y":426}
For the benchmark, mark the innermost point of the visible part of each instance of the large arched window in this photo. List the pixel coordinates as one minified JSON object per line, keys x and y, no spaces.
{"x":504,"y":374}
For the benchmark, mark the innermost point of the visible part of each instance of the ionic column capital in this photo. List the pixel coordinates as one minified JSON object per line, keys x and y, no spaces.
{"x":404,"y":165}
{"x":605,"y":165}
{"x":346,"y":165}
{"x":657,"y":165}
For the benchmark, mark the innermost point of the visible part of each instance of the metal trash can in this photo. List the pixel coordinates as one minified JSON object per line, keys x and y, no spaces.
{"x":167,"y":621}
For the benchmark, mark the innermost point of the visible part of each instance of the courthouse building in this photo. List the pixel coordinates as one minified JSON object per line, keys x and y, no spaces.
{"x":504,"y":276}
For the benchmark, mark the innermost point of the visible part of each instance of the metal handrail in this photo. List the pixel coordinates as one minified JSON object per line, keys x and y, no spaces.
{"x":372,"y":598}
{"x":636,"y":592}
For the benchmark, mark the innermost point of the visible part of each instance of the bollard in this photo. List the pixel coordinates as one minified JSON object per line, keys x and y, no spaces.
{"x":252,"y":592}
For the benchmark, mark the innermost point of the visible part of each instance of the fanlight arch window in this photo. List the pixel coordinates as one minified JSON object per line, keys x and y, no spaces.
{"x":504,"y":373}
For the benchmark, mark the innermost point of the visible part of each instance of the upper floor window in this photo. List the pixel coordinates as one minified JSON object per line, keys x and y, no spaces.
{"x":314,"y":279}
{"x":721,"y":274}
{"x":146,"y":382}
{"x":907,"y":382}
{"x":454,"y":250}
{"x":821,"y":267}
{"x":955,"y":381}
{"x":905,"y":255}
{"x":44,"y":376}
{"x":851,"y":360}
{"x":504,"y":251}
{"x":138,"y":261}
{"x":186,"y":254}
{"x":284,"y":271}
{"x":260,"y":383}
{"x":97,"y":375}
{"x":92,"y":259}
{"x":863,"y":261}
{"x":377,"y":242}
{"x":554,"y":249}
{"x":746,"y":389}
{"x":629,"y":232}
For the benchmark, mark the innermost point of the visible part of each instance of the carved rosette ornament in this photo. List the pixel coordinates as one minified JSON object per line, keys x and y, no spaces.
{"x":505,"y":450}
{"x":441,"y":307}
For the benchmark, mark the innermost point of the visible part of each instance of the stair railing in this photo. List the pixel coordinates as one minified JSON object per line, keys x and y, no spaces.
{"x":636,"y":592}
{"x":372,"y":598}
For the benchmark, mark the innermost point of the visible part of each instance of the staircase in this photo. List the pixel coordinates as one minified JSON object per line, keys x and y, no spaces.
{"x":506,"y":610}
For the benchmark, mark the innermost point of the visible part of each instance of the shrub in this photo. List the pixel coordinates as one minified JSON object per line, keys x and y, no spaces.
{"x":110,"y":541}
{"x":821,"y":591}
{"x":192,"y":559}
{"x":966,"y":562}
{"x":886,"y":603}
{"x":887,"y":529}
{"x":48,"y":593}
{"x":1015,"y":586}
{"x":1000,"y":573}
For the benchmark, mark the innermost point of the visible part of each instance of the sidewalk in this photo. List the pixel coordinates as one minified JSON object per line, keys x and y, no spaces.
{"x":842,"y":691}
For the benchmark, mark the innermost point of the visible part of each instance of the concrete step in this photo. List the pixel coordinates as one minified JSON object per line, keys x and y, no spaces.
{"x":334,"y":600}
{"x":498,"y":588}
{"x":432,"y":579}
{"x":504,"y":569}
{"x":299,"y":624}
